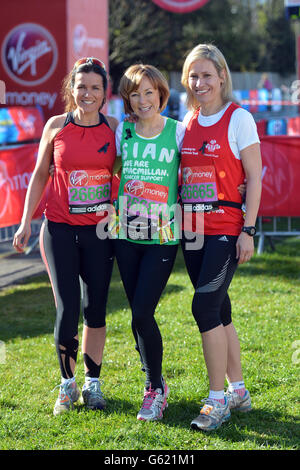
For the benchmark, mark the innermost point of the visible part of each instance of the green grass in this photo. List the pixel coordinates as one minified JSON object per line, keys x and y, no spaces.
{"x":265,"y":298}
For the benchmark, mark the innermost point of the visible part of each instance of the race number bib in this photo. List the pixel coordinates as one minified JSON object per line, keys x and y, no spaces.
{"x":88,"y":191}
{"x":199,"y":189}
{"x":146,"y":212}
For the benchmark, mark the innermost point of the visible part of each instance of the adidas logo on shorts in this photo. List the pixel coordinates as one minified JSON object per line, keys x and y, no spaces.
{"x":223,"y":239}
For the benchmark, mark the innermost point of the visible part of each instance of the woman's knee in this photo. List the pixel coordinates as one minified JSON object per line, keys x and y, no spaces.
{"x":207,"y":315}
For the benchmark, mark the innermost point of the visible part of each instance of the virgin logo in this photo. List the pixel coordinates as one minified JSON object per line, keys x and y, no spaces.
{"x":29,"y":54}
{"x":187,"y":175}
{"x":135,"y":187}
{"x":79,"y":178}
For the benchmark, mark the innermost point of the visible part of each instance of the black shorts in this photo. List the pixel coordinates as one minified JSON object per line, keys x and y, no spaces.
{"x":79,"y":265}
{"x":211,"y":269}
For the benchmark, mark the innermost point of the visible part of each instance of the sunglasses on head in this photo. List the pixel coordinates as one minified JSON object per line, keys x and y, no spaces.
{"x":89,"y":60}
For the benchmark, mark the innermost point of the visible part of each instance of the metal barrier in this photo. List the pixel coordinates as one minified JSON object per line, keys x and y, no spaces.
{"x":276,"y":227}
{"x":7,"y":234}
{"x":273,"y":228}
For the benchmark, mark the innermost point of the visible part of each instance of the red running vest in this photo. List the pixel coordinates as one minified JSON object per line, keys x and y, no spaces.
{"x":210,"y":176}
{"x":83,"y":160}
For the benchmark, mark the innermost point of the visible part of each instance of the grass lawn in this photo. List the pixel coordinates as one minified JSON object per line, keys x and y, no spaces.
{"x":265,"y":298}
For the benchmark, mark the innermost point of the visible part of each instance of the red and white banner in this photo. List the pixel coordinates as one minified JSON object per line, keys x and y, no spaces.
{"x":180,"y":6}
{"x":39,"y":43}
{"x":16,"y":167}
{"x":281,"y":176}
{"x":280,"y":179}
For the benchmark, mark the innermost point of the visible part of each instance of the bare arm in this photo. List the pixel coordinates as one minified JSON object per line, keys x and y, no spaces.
{"x":251,"y":160}
{"x":37,"y":184}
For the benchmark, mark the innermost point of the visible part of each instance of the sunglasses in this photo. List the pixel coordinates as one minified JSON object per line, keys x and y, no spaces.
{"x":89,"y":60}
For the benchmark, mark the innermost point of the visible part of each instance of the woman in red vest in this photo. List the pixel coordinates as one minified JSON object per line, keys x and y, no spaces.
{"x":81,"y":143}
{"x":220,"y":148}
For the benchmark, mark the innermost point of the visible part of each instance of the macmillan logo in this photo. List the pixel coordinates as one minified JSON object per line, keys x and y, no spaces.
{"x":29,"y":54}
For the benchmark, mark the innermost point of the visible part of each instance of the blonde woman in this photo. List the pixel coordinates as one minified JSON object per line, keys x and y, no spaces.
{"x":220,"y":148}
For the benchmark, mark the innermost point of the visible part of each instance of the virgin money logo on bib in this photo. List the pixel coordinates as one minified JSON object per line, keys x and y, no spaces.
{"x":79,"y":178}
{"x":136,"y":188}
{"x":29,"y":54}
{"x":187,"y":175}
{"x":180,"y":6}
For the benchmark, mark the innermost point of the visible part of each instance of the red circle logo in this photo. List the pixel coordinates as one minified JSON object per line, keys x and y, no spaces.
{"x":187,"y":175}
{"x":136,"y":188}
{"x":29,"y":54}
{"x":180,"y":6}
{"x":79,"y":178}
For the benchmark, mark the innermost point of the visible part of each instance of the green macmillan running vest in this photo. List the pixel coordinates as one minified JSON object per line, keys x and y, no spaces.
{"x":149,"y":186}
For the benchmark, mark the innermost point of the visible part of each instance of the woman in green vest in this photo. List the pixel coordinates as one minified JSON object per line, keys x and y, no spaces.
{"x":148,"y":235}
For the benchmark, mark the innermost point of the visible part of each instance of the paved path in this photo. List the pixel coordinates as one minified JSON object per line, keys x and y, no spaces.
{"x":15,"y":267}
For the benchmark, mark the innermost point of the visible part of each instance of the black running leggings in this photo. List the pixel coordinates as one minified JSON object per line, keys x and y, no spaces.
{"x":211,"y":269}
{"x":145,"y":270}
{"x":79,"y":264}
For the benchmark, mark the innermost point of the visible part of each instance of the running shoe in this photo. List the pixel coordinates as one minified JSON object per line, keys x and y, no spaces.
{"x":212,"y":415}
{"x":154,"y":403}
{"x":68,"y":395}
{"x":92,"y":396}
{"x":238,"y":402}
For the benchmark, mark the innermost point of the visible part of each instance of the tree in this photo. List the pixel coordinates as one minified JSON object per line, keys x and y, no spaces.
{"x":252,"y":36}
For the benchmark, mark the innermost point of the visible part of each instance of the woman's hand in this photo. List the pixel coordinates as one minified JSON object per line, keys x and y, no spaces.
{"x":242,"y":188}
{"x":21,"y":237}
{"x":244,"y":248}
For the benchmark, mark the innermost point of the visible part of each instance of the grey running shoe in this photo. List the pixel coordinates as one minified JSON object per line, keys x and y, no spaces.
{"x":92,"y":396}
{"x":236,"y":402}
{"x":212,"y":415}
{"x":154,"y":403}
{"x":68,"y":395}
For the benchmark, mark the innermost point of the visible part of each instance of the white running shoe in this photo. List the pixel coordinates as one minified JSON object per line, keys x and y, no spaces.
{"x":238,"y":402}
{"x":68,"y":394}
{"x":154,"y":403}
{"x":92,"y":396}
{"x":212,"y":415}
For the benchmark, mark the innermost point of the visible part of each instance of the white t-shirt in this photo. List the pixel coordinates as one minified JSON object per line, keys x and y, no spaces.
{"x":242,"y":130}
{"x":180,"y":130}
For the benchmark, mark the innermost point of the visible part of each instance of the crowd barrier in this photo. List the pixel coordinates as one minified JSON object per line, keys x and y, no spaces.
{"x":280,"y":177}
{"x":254,"y":101}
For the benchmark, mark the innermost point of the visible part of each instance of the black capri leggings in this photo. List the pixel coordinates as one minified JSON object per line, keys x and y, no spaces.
{"x":211,"y":269}
{"x":76,"y":259}
{"x":145,"y":270}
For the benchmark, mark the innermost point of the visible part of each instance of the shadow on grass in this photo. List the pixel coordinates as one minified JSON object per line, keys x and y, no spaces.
{"x":113,"y":406}
{"x":264,"y":428}
{"x":30,"y":311}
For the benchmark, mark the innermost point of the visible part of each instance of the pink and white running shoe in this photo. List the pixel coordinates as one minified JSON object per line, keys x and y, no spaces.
{"x":154,"y":403}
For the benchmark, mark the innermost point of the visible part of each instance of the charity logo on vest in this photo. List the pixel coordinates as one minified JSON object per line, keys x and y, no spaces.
{"x":208,"y":148}
{"x":29,"y":54}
